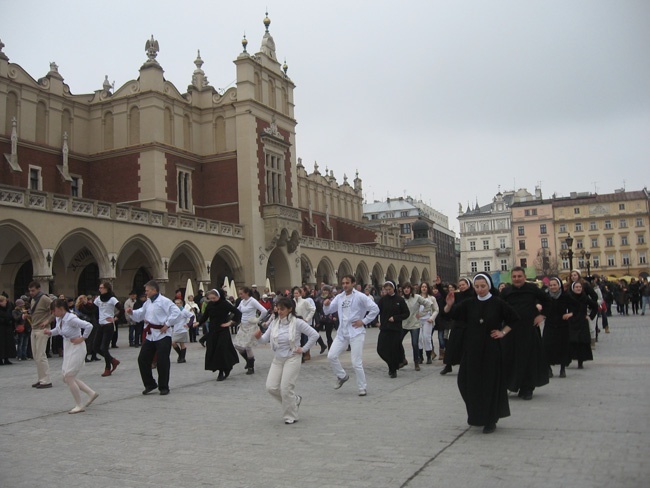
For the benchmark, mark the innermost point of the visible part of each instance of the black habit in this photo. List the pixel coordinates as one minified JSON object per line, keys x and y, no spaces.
{"x":556,"y":332}
{"x":220,"y":354}
{"x":389,"y":342}
{"x":481,"y":377}
{"x":457,"y":329}
{"x":579,"y":335}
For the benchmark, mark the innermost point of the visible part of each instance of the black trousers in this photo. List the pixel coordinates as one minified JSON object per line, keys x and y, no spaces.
{"x":149,"y":349}
{"x":103,"y":341}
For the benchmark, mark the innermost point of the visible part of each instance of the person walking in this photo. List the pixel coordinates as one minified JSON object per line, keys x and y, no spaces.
{"x":355,"y":310}
{"x":556,"y":329}
{"x":7,"y":328}
{"x":159,"y":314}
{"x":180,"y":334}
{"x":40,"y":316}
{"x":427,"y":320}
{"x":481,"y":377}
{"x":327,"y":322}
{"x":412,"y":323}
{"x":107,"y":304}
{"x":393,"y":310}
{"x":580,"y":309}
{"x":245,"y":339}
{"x":284,"y":334}
{"x":70,"y":327}
{"x":456,"y":327}
{"x":220,"y":353}
{"x":528,"y":369}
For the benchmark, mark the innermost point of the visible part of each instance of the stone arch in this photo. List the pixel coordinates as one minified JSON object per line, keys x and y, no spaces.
{"x":108,"y":130}
{"x":20,"y":255}
{"x":362,"y":274}
{"x":134,"y":125}
{"x":186,"y":262}
{"x":225,"y":263}
{"x":306,"y":270}
{"x":415,"y":276}
{"x":137,"y":254}
{"x":345,"y":268}
{"x":74,"y":252}
{"x":404,"y":275}
{"x":378,"y":276}
{"x":278,"y":270}
{"x":426,"y":277}
{"x":325,"y":272}
{"x":391,"y":274}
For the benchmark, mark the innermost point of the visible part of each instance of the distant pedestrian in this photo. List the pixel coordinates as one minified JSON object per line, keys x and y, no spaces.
{"x":393,"y":310}
{"x":580,"y":308}
{"x":556,"y":329}
{"x":40,"y":316}
{"x":107,"y":304}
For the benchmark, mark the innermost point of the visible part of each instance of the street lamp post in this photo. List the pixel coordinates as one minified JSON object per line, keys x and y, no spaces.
{"x":569,"y":243}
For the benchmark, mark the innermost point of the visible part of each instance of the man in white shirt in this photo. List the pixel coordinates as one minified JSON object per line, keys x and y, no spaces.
{"x":355,"y":310}
{"x":159,"y":314}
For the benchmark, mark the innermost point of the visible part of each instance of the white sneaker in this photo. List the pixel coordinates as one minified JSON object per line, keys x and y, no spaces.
{"x":362,"y":392}
{"x":341,"y":381}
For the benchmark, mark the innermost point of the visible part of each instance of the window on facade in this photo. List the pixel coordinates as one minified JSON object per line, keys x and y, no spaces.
{"x":374,"y":216}
{"x":594,"y":242}
{"x":596,"y":261}
{"x":522,"y":245}
{"x":563,"y":245}
{"x":593,"y":226}
{"x":579,"y":244}
{"x":405,"y":228}
{"x":625,"y":259}
{"x":520,"y":230}
{"x":640,"y":239}
{"x":639,"y":222}
{"x":621,"y":206}
{"x":35,"y":178}
{"x":472,"y":245}
{"x":542,"y":229}
{"x":624,"y":241}
{"x":611,"y":260}
{"x":184,"y":190}
{"x":622,"y":224}
{"x":486,"y":265}
{"x":486,"y":245}
{"x":75,"y":186}
{"x":544,"y":242}
{"x":504,"y":265}
{"x":576,"y":210}
{"x":581,"y":262}
{"x":608,"y":224}
{"x":502,"y":242}
{"x":609,"y":241}
{"x":404,"y":214}
{"x":473,"y":266}
{"x":523,"y":262}
{"x":275,"y":185}
{"x":562,"y":227}
{"x":485,"y":226}
{"x":565,"y":264}
{"x":533,"y":211}
{"x":642,"y":258}
{"x":578,"y":227}
{"x":526,"y":213}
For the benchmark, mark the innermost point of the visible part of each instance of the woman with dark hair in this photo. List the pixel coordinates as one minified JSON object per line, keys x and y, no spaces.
{"x":556,"y":330}
{"x":108,"y":307}
{"x":69,"y":326}
{"x":284,"y":335}
{"x":393,"y":310}
{"x":456,"y":327}
{"x":245,"y":339}
{"x":427,"y":319}
{"x":220,"y":354}
{"x":412,"y":323}
{"x":580,"y":308}
{"x":481,"y":379}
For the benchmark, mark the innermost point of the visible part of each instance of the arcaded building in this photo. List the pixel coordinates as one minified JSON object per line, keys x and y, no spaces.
{"x":149,"y":181}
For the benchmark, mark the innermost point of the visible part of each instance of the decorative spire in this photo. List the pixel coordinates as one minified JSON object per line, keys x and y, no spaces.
{"x":3,"y":55}
{"x":267,"y":21}
{"x":244,"y":42}
{"x":316,"y":172}
{"x":199,"y":80}
{"x":151,"y":47}
{"x":198,"y":62}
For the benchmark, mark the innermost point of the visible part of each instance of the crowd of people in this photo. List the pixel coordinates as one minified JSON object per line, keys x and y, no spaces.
{"x":502,"y":340}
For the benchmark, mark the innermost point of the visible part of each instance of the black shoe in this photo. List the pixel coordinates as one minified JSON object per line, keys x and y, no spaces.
{"x":221,"y":377}
{"x":202,"y":341}
{"x":164,"y":392}
{"x":562,"y":373}
{"x":488,"y":429}
{"x":392,"y":374}
{"x":149,"y":389}
{"x":402,"y":364}
{"x":43,"y":385}
{"x":447,"y":369}
{"x":323,"y":348}
{"x":550,"y":372}
{"x":8,"y":362}
{"x":528,"y":395}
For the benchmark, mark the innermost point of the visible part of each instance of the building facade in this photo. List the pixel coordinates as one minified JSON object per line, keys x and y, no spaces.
{"x":146,"y":181}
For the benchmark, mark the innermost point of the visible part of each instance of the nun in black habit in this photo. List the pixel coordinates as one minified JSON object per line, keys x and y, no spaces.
{"x":580,"y":308}
{"x":456,"y":327}
{"x":220,"y":353}
{"x":556,"y":329}
{"x":481,"y":377}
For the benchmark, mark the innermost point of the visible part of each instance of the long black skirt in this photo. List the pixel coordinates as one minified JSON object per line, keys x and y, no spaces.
{"x":556,"y":344}
{"x":389,"y":348}
{"x":220,"y":354}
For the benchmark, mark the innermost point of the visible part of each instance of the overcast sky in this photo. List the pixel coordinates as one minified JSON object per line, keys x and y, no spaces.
{"x":440,"y":100}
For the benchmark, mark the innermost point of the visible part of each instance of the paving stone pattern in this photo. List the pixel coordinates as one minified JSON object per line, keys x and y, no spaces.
{"x":591,"y":429}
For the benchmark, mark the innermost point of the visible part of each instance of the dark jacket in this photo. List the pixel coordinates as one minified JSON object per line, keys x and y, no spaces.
{"x":392,"y":306}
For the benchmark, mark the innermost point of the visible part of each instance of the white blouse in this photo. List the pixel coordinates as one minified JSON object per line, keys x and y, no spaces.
{"x":249,"y":309}
{"x":283,"y":348}
{"x":69,"y":326}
